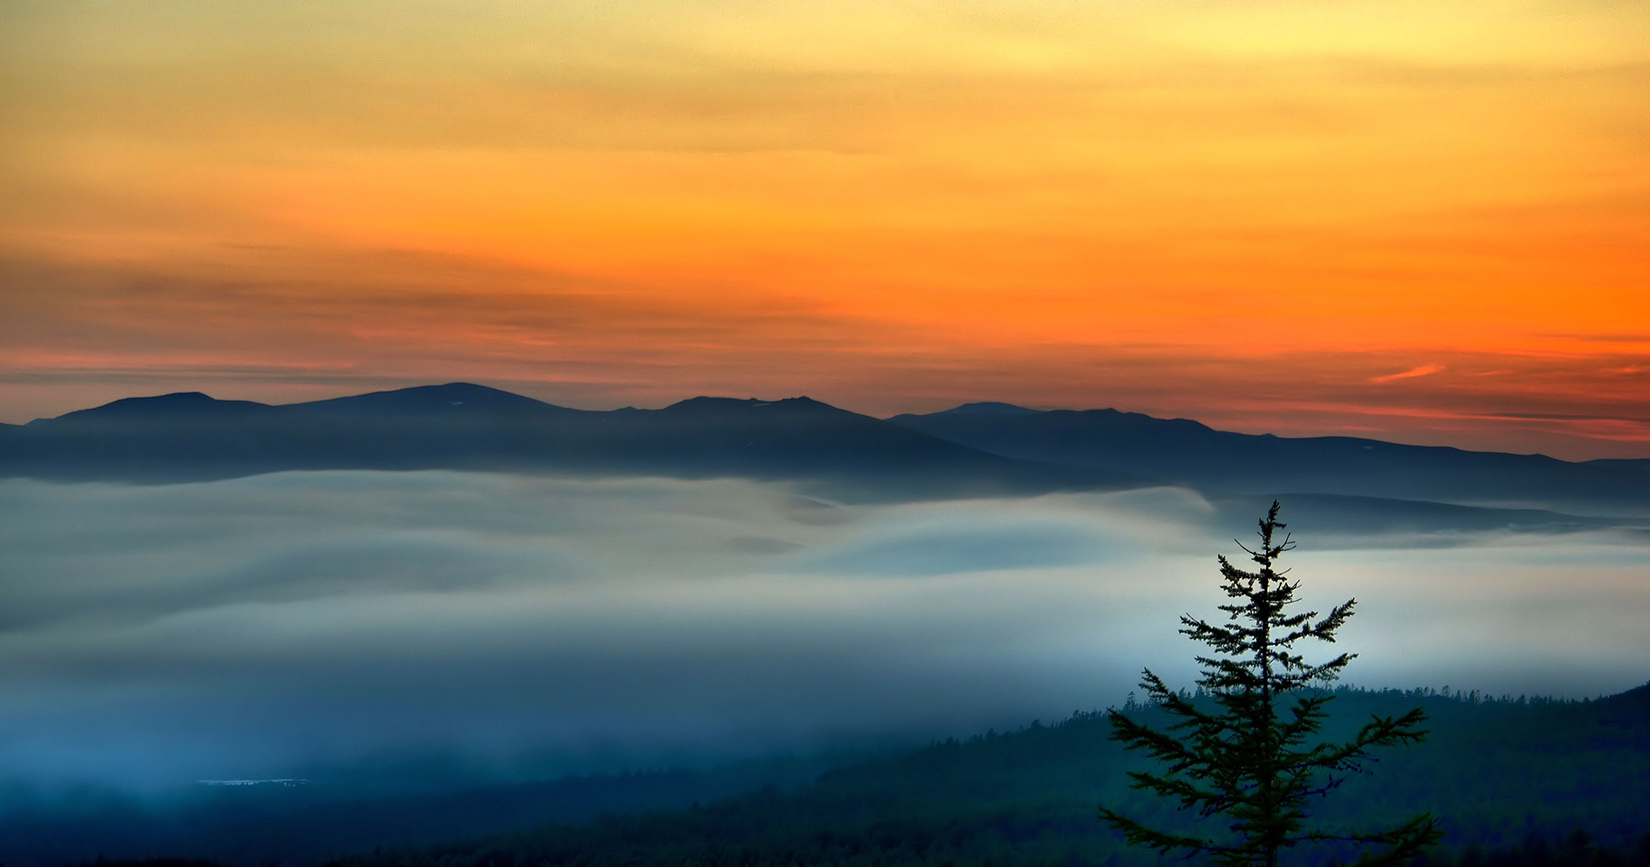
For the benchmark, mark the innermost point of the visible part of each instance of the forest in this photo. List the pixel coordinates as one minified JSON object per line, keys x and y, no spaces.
{"x":1513,"y":780}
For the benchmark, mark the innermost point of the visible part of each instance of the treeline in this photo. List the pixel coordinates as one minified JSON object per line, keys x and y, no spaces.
{"x":1514,"y":781}
{"x":263,"y":825}
{"x":1577,"y":849}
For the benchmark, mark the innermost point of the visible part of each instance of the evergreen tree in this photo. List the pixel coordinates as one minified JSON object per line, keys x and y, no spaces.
{"x":1244,"y":756}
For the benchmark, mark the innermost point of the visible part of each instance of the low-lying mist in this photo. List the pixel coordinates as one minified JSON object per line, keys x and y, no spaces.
{"x":497,"y":627}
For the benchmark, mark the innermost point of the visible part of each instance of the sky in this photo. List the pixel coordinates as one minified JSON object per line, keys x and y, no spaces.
{"x":315,"y":624}
{"x":1420,"y":221}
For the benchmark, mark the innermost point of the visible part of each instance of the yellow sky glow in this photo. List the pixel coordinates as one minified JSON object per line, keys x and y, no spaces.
{"x":1253,"y":213}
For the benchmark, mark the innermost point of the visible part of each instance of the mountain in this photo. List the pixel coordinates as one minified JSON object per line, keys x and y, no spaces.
{"x":979,"y":449}
{"x":1184,"y":452}
{"x":191,"y":436}
{"x":1629,"y":465}
{"x":988,"y":407}
{"x":454,"y":400}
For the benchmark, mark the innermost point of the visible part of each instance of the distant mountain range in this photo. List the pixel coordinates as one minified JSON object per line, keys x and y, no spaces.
{"x":981,"y":449}
{"x":190,"y":436}
{"x":1184,"y":452}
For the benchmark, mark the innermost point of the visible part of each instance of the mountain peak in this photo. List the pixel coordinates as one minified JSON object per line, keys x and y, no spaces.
{"x":989,"y":407}
{"x":424,"y":399}
{"x":715,"y":404}
{"x":174,"y":405}
{"x":173,"y":400}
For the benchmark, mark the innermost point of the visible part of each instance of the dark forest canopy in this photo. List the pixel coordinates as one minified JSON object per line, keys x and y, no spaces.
{"x":1500,"y":772}
{"x":1503,"y":774}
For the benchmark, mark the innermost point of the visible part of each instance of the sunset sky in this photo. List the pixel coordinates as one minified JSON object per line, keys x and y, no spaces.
{"x":1420,"y":221}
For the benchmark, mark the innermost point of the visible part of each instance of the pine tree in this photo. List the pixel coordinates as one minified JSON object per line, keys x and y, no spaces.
{"x":1245,"y":757}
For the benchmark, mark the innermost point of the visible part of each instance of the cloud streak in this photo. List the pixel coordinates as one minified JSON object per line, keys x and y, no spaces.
{"x":622,"y":203}
{"x":304,"y":328}
{"x":1412,"y":373}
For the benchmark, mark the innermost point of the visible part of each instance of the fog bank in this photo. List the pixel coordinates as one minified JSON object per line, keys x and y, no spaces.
{"x":312,"y":623}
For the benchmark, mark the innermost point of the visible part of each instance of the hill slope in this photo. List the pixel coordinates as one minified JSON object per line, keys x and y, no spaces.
{"x":1496,"y":772}
{"x":973,"y":450}
{"x":190,"y":436}
{"x":1180,"y":451}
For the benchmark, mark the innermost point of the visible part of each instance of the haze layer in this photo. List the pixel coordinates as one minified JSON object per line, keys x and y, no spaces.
{"x":308,"y":624}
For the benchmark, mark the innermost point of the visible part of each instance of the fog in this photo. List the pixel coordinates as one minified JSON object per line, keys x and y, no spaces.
{"x":306,"y":624}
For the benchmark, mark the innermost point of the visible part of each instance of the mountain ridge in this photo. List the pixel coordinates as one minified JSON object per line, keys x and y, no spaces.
{"x":976,"y":449}
{"x":1188,"y":452}
{"x":188,"y":436}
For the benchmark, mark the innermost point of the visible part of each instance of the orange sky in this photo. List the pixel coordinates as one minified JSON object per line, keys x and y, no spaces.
{"x":1425,"y":221}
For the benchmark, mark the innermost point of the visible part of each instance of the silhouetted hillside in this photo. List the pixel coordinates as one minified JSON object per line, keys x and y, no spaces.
{"x":973,"y":450}
{"x":459,"y":426}
{"x":1499,"y":773}
{"x":1180,"y":451}
{"x":293,"y":824}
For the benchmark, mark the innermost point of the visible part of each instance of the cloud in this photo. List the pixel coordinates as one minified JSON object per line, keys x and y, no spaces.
{"x":940,"y":540}
{"x":303,"y":624}
{"x":887,"y":208}
{"x":1412,"y":373}
{"x":293,"y":325}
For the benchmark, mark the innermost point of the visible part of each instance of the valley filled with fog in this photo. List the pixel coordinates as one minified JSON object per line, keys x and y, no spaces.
{"x":495,"y":627}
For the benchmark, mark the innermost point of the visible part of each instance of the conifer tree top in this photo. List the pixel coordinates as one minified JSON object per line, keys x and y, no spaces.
{"x":1241,"y":754}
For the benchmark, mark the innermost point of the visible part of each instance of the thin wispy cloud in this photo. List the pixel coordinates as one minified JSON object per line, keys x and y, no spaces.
{"x":1412,"y":373}
{"x":882,"y":205}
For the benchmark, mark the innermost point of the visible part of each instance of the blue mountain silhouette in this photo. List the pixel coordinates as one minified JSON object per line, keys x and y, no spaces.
{"x":978,"y":449}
